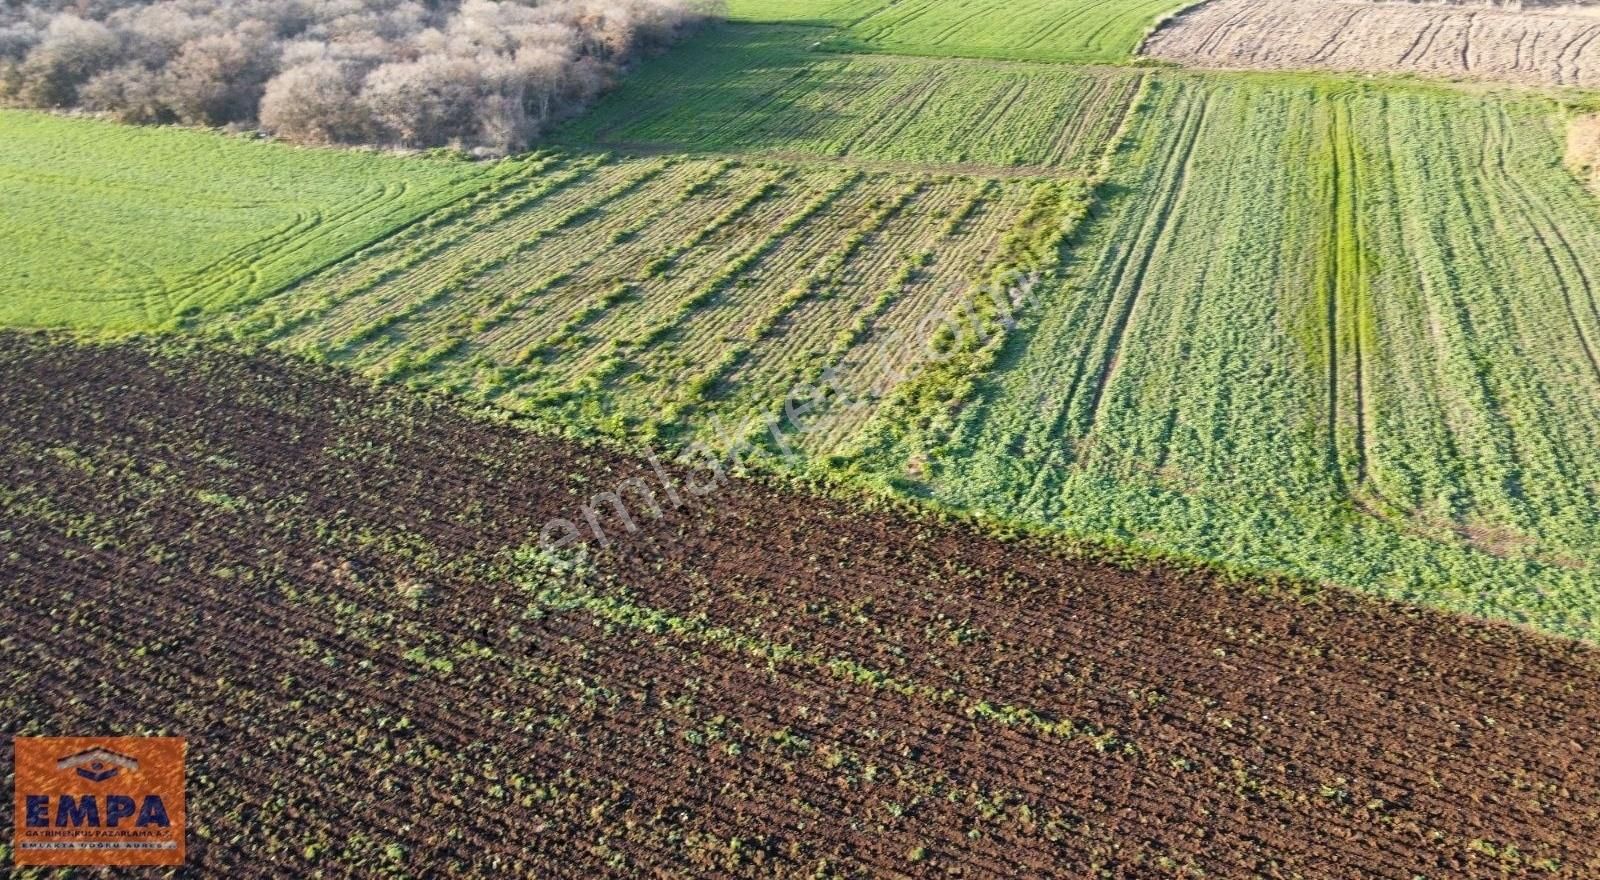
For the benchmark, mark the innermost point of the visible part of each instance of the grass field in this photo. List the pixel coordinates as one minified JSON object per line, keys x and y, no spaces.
{"x":762,"y":90}
{"x":115,"y":227}
{"x":1080,"y":31}
{"x":1376,"y":367}
{"x":1348,"y":330}
{"x":820,"y":13}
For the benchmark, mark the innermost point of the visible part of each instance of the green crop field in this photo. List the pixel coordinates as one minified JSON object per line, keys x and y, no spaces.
{"x":1081,"y":31}
{"x":116,"y":227}
{"x":1302,"y":366}
{"x":1346,"y":329}
{"x":761,"y":90}
{"x":903,"y":438}
{"x":1342,"y":331}
{"x":812,"y":12}
{"x":643,"y":294}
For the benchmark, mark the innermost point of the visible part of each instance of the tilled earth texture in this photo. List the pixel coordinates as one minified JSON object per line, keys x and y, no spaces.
{"x":335,"y":592}
{"x":1536,"y":46}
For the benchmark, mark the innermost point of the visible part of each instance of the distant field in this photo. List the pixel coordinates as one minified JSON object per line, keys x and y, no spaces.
{"x":817,"y":12}
{"x":1345,"y":329}
{"x":1082,"y":31}
{"x":112,"y":226}
{"x":1559,"y":47}
{"x":1380,"y":366}
{"x":635,"y":293}
{"x":761,"y":90}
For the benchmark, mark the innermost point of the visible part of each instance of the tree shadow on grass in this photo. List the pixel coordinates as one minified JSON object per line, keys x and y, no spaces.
{"x":731,"y":87}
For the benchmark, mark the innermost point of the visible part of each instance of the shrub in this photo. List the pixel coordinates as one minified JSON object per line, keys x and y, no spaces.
{"x":483,"y":75}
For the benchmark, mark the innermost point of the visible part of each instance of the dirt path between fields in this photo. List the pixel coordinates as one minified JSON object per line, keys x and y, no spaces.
{"x":788,"y":157}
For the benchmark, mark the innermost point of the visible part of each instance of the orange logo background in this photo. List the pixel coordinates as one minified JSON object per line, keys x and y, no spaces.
{"x":106,"y":800}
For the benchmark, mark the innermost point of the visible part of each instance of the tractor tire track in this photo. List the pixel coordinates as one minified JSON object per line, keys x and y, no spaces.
{"x":1153,"y":242}
{"x":1063,"y":444}
{"x":1347,"y":304}
{"x":1551,"y":242}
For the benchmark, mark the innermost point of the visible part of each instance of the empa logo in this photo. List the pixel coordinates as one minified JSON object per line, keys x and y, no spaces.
{"x":113,"y":800}
{"x":97,"y":764}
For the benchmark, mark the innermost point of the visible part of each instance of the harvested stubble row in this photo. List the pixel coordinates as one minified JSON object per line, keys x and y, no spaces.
{"x":638,"y":291}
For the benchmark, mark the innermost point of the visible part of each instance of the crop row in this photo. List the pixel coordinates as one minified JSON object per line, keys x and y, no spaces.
{"x":752,"y":687}
{"x":764,"y":92}
{"x":1390,"y":348}
{"x":614,"y":286}
{"x":1042,"y":30}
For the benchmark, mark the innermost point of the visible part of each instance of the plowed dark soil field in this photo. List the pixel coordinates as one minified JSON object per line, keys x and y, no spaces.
{"x":334,"y":592}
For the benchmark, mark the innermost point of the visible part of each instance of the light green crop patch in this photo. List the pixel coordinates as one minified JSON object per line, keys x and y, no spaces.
{"x":765,"y":90}
{"x":110,"y":227}
{"x":1082,"y":31}
{"x":815,"y":12}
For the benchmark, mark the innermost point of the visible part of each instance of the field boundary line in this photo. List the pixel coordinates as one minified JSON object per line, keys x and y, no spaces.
{"x":1151,"y":237}
{"x":1534,"y":210}
{"x":645,"y":149}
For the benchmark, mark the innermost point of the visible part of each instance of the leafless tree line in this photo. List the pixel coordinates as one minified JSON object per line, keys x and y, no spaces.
{"x":484,"y":75}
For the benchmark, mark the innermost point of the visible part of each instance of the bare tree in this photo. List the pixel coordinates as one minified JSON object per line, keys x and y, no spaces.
{"x":128,"y":93}
{"x":219,"y":79}
{"x":73,"y":49}
{"x":428,"y":102}
{"x":315,"y":103}
{"x":543,"y":70}
{"x":17,"y":39}
{"x":488,"y":75}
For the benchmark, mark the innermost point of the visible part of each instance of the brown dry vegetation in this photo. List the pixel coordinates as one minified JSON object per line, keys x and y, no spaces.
{"x":487,"y":75}
{"x":309,"y":579}
{"x":1583,"y":147}
{"x":1556,"y":5}
{"x":1550,"y":46}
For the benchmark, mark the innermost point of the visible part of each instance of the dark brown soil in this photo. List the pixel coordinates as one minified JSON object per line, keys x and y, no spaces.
{"x":318,"y":584}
